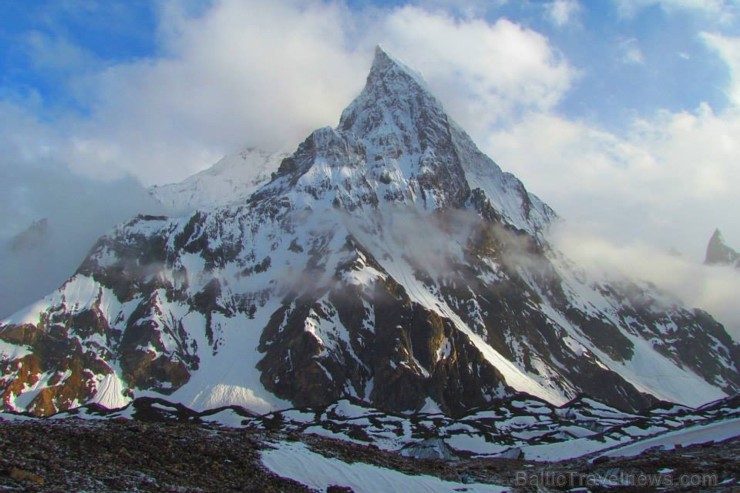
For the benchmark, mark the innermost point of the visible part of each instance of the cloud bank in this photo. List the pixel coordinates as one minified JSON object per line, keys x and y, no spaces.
{"x":711,"y":288}
{"x":266,"y":74}
{"x":77,"y":210}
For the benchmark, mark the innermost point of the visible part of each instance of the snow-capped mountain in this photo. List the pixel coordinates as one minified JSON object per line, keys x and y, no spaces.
{"x":718,"y":253}
{"x":387,"y":260}
{"x":231,"y":179}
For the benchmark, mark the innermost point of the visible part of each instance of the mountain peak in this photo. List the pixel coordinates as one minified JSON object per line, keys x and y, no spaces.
{"x":391,"y":85}
{"x":406,"y":134}
{"x":381,"y":56}
{"x":717,"y":237}
{"x":719,"y":253}
{"x":37,"y":234}
{"x":384,"y":62}
{"x":396,"y":144}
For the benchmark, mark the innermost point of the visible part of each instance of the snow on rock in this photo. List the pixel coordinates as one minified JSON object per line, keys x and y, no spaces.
{"x":13,"y":351}
{"x":703,"y":433}
{"x":111,"y":393}
{"x":295,"y":461}
{"x":231,"y":179}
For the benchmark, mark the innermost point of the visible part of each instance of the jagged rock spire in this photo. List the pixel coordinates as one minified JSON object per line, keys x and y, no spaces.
{"x":407,"y":133}
{"x":393,"y":92}
{"x":718,"y":253}
{"x":384,"y":64}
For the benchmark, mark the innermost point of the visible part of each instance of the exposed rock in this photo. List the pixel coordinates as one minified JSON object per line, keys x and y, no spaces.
{"x":21,"y":475}
{"x":718,"y":253}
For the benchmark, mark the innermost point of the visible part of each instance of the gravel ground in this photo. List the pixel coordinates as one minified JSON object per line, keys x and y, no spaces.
{"x":121,"y":455}
{"x":74,"y":455}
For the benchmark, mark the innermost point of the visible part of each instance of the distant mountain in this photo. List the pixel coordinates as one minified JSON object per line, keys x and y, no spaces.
{"x":718,"y":253}
{"x":36,"y":235}
{"x":231,"y":179}
{"x":388,"y":261}
{"x":51,"y":217}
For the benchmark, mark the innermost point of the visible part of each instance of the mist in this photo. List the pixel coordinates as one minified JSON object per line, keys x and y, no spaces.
{"x":711,"y":288}
{"x":71,"y":212}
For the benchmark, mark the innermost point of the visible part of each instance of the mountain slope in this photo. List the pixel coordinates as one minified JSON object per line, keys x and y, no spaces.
{"x":387,"y":260}
{"x":231,"y":179}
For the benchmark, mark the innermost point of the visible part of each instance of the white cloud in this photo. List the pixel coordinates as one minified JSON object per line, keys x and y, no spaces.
{"x":485,"y":73}
{"x":35,"y":185}
{"x":265,"y":74}
{"x":711,"y":288}
{"x":563,"y":12}
{"x":243,"y":73}
{"x":630,"y":52}
{"x":669,"y":181}
{"x":728,"y":48}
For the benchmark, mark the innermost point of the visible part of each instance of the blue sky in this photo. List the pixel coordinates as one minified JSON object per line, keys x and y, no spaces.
{"x":674,"y":69}
{"x":624,"y":115}
{"x":96,"y":33}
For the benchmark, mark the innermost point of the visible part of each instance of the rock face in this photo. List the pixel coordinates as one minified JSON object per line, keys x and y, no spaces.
{"x":386,"y":260}
{"x":718,"y":253}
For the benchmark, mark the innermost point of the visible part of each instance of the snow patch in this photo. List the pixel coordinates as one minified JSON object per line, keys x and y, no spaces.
{"x":713,"y":432}
{"x":295,"y":461}
{"x":110,"y":393}
{"x":10,"y":352}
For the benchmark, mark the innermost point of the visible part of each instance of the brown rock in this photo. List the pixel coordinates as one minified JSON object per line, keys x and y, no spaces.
{"x":23,"y":475}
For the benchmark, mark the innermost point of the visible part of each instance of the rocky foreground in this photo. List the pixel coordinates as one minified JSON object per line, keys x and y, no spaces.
{"x":123,"y":455}
{"x":76,"y":455}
